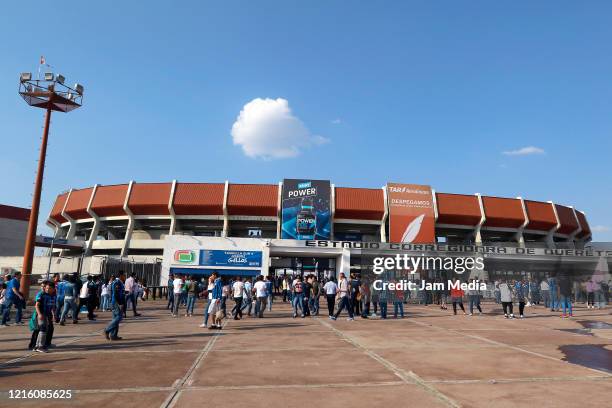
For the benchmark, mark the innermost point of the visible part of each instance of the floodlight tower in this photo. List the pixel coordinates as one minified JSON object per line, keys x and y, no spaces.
{"x":51,"y":94}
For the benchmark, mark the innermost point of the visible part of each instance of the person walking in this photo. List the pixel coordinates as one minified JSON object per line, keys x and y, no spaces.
{"x":314,"y":295}
{"x":298,"y":296}
{"x":270,"y":292}
{"x":59,"y":296}
{"x":247,"y":301}
{"x":355,"y":294}
{"x":505,"y":296}
{"x":192,"y":289}
{"x":13,"y":297}
{"x":208,"y":293}
{"x":554,"y":293}
{"x":590,"y":291}
{"x":545,"y":293}
{"x":497,"y":292}
{"x":565,"y":295}
{"x":177,"y":287}
{"x":238,"y":295}
{"x":330,"y":288}
{"x":398,"y":302}
{"x":44,"y":317}
{"x":306,"y":289}
{"x":261,"y":294}
{"x":457,"y":298}
{"x":366,"y":297}
{"x":70,"y":304}
{"x":474,"y":296}
{"x":285,"y":286}
{"x":521,"y":289}
{"x":344,"y":296}
{"x":215,"y":303}
{"x":117,"y":301}
{"x":90,"y":302}
{"x":170,"y":305}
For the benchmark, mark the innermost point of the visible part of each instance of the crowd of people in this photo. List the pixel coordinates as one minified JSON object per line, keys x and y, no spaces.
{"x":61,"y":299}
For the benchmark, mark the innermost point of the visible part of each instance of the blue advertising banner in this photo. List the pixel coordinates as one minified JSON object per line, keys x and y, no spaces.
{"x":247,"y":259}
{"x":306,"y":209}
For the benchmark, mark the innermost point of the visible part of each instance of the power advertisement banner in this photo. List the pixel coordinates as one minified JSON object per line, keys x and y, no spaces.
{"x":305,"y":209}
{"x":411,"y":213}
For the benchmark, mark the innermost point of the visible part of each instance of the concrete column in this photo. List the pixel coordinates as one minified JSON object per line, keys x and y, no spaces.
{"x":483,"y":218}
{"x":171,"y":209}
{"x":550,"y":241}
{"x":343,"y":263}
{"x":519,"y":234}
{"x":572,"y":237}
{"x":225,"y":213}
{"x":265,"y":260}
{"x":279,"y":211}
{"x":383,"y":222}
{"x":130,"y":226}
{"x":435,"y":208}
{"x":72,"y":229}
{"x":96,"y":225}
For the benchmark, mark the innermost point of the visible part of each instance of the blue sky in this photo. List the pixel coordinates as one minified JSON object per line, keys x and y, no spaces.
{"x":417,"y":92}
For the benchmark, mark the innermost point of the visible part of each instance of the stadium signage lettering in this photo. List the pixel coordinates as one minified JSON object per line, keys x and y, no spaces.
{"x":482,"y":249}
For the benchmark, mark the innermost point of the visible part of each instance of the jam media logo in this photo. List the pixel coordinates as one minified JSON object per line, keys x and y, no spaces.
{"x":184,"y":256}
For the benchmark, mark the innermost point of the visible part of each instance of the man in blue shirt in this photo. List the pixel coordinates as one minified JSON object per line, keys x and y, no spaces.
{"x":117,"y":301}
{"x":59,"y":294}
{"x":13,"y":297}
{"x":45,"y":314}
{"x":70,"y":296}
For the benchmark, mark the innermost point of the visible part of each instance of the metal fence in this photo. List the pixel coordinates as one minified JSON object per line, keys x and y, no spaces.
{"x":149,"y":273}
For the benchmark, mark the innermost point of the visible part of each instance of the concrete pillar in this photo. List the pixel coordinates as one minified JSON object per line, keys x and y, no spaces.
{"x":225,"y":232}
{"x":96,"y":225}
{"x":343,"y":263}
{"x":383,"y":222}
{"x":72,"y":229}
{"x":483,"y":218}
{"x":519,"y":234}
{"x":130,"y":226}
{"x":550,"y":241}
{"x":279,"y":211}
{"x":572,"y":237}
{"x":171,"y":209}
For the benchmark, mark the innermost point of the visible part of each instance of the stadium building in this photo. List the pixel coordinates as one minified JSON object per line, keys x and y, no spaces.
{"x":305,"y":225}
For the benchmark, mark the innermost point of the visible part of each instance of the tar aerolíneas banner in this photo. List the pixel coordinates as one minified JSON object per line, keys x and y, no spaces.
{"x":411,"y":213}
{"x":305,"y":209}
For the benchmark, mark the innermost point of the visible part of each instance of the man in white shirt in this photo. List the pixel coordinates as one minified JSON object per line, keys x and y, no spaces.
{"x":237,"y":294}
{"x":545,"y":292}
{"x":177,"y":287}
{"x":130,"y":294}
{"x":330,"y":289}
{"x":343,"y":293}
{"x":261,"y":294}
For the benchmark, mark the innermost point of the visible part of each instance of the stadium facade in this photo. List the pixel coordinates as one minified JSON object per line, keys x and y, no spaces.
{"x":305,"y":225}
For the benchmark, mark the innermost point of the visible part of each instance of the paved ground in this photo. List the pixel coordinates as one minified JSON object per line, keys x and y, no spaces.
{"x":430,"y":359}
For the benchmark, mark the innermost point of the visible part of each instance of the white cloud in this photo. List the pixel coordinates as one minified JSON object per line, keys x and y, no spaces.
{"x":336,"y":121}
{"x":524,"y":151}
{"x":600,"y":228}
{"x":266,"y":128}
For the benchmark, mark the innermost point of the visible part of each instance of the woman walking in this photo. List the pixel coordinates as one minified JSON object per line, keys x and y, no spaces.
{"x":505,"y":296}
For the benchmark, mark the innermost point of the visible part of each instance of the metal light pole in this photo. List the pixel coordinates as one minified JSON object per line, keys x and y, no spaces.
{"x":50,"y":94}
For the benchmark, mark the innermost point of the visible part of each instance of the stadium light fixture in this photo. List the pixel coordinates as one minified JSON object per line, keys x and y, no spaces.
{"x":50,"y":94}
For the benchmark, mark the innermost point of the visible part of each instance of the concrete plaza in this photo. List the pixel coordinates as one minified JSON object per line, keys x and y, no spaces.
{"x":429,"y":359}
